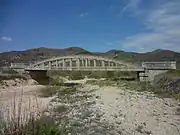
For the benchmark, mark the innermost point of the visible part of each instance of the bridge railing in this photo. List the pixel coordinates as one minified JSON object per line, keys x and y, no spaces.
{"x":18,"y":65}
{"x":86,"y":69}
{"x":159,"y":65}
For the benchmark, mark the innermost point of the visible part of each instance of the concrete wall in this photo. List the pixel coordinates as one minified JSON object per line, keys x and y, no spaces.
{"x":150,"y":74}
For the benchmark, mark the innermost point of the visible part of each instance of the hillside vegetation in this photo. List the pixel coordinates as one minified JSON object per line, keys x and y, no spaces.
{"x":37,"y":54}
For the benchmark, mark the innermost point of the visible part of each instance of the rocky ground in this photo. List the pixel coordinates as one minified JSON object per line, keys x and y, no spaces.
{"x":15,"y":83}
{"x":94,"y":110}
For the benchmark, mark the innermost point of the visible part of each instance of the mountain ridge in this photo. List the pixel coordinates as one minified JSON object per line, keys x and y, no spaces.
{"x":37,"y":54}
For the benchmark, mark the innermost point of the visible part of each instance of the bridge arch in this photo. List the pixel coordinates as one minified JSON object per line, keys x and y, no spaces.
{"x":78,"y":62}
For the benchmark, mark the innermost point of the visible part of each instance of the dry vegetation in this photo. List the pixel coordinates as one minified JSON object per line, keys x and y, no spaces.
{"x":18,"y":119}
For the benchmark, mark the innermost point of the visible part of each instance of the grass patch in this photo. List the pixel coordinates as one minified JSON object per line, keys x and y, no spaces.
{"x":77,"y":75}
{"x":173,"y":72}
{"x":135,"y":85}
{"x":72,"y":75}
{"x":12,"y":77}
{"x":60,"y":109}
{"x":42,"y":126}
{"x":146,"y":86}
{"x":48,"y":91}
{"x":102,"y":83}
{"x":56,"y":80}
{"x":67,"y":90}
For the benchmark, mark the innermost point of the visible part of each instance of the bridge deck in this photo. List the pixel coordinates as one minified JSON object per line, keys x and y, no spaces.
{"x":85,"y":69}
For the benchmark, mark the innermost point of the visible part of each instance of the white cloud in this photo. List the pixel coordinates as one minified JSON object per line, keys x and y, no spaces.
{"x":84,"y":14}
{"x":4,"y":38}
{"x":132,"y":5}
{"x":163,"y":24}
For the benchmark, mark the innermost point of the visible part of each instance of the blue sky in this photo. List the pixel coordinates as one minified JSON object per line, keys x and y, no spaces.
{"x":96,"y":25}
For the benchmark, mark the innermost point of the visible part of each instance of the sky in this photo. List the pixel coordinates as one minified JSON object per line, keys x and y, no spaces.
{"x":95,"y":25}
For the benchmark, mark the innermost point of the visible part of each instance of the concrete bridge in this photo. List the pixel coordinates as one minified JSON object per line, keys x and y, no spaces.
{"x":146,"y":71}
{"x":82,"y":63}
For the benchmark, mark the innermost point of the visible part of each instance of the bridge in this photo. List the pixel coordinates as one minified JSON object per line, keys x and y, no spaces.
{"x":96,"y":63}
{"x":82,"y":63}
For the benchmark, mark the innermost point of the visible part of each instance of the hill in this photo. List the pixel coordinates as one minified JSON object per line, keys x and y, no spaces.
{"x":37,"y":54}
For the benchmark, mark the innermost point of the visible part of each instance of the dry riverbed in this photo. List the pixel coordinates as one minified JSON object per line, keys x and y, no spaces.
{"x":92,"y":110}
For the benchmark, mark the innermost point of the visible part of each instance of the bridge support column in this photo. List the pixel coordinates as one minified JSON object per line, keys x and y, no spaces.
{"x":49,"y":65}
{"x":108,"y":64}
{"x":70,"y":63}
{"x":103,"y":65}
{"x":94,"y":63}
{"x":78,"y":63}
{"x":63,"y":64}
{"x":56,"y":64}
{"x":86,"y":63}
{"x":42,"y":66}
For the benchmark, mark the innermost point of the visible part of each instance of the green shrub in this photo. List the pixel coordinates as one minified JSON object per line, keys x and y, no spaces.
{"x":60,"y":108}
{"x":98,"y":74}
{"x":173,"y":72}
{"x":11,"y":77}
{"x":77,"y":75}
{"x":56,"y":80}
{"x":43,"y":126}
{"x":48,"y":91}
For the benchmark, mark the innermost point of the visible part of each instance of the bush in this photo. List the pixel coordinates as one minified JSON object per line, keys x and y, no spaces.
{"x":43,"y":126}
{"x":11,"y":77}
{"x":173,"y":72}
{"x":77,"y":75}
{"x":56,"y":80}
{"x":98,"y":74}
{"x":60,"y":109}
{"x":27,"y":121}
{"x":48,"y":91}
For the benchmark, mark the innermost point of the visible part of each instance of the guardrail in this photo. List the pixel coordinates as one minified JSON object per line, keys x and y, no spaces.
{"x":86,"y":69}
{"x":162,"y":65}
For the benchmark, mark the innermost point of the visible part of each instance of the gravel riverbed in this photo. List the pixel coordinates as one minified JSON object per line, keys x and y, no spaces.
{"x":94,"y":110}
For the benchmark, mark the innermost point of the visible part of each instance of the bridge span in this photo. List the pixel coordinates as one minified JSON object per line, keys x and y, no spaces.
{"x":96,"y":63}
{"x":79,"y":62}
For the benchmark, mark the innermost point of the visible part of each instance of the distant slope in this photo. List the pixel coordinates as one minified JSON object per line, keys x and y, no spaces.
{"x":32,"y":55}
{"x":159,"y":55}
